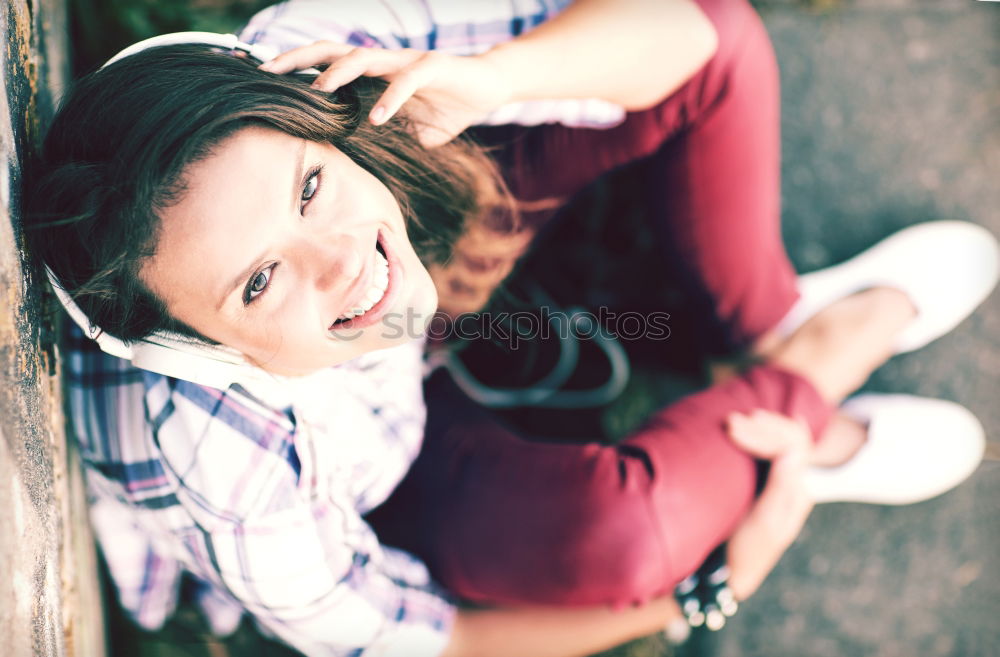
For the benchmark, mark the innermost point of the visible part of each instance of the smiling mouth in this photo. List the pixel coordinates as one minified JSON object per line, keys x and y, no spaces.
{"x":374,"y":294}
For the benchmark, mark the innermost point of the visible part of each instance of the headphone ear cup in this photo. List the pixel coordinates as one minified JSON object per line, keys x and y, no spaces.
{"x":207,"y":365}
{"x":108,"y":343}
{"x":167,"y":354}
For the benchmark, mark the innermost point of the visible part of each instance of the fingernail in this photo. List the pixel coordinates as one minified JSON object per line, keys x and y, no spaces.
{"x":378,"y":114}
{"x":267,"y":66}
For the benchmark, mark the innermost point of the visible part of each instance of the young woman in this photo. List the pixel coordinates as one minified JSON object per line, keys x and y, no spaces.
{"x":266,"y":248}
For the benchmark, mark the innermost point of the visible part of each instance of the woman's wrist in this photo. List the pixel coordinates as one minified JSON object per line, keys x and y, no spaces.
{"x":503,"y":60}
{"x":603,"y":49}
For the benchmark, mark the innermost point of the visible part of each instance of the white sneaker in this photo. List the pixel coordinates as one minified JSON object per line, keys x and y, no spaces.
{"x":947,"y":268}
{"x":917,"y":448}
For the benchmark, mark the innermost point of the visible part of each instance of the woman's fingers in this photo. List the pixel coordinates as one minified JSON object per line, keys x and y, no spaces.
{"x":364,"y":61}
{"x":345,"y":62}
{"x":457,"y":91}
{"x":409,"y":70}
{"x":320,"y":52}
{"x":410,"y":78}
{"x":351,"y":66}
{"x":767,"y":435}
{"x":781,"y":510}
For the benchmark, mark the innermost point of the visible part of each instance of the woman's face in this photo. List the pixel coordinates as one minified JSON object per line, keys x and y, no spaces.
{"x":274,"y":240}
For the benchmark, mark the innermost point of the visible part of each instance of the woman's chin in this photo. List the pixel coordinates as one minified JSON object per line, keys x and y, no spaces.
{"x":421,"y":308}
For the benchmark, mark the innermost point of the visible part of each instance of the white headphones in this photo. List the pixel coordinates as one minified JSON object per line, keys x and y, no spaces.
{"x":163,"y":352}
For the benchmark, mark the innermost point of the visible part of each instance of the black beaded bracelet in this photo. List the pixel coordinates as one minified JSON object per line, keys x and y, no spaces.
{"x":704,"y":596}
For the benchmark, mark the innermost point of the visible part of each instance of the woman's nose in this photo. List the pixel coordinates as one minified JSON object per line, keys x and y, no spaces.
{"x":332,"y":262}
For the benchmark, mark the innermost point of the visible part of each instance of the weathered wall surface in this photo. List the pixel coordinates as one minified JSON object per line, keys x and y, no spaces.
{"x":49,"y":598}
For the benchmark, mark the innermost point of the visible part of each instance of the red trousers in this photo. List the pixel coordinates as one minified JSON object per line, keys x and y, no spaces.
{"x":499,"y":518}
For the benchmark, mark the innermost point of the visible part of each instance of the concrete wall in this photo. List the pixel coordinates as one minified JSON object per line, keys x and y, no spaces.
{"x":49,"y":596}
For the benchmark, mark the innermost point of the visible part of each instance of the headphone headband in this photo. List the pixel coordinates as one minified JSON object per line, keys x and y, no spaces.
{"x":226,"y":41}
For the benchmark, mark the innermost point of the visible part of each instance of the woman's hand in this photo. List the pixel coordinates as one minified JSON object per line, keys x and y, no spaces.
{"x":459,"y":91}
{"x":781,"y":510}
{"x":777,"y":516}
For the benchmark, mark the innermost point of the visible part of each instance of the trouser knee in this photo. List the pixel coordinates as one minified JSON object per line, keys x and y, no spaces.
{"x":741,"y":37}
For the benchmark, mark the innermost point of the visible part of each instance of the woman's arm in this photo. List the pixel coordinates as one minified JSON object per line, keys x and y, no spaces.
{"x":554,"y":632}
{"x":630,"y":52}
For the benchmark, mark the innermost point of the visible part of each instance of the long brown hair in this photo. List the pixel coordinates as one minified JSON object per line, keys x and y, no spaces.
{"x":118,"y":147}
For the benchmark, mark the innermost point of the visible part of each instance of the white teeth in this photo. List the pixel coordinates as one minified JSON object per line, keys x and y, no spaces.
{"x":380,"y":281}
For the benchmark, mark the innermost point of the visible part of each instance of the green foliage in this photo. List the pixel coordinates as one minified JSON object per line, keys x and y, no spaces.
{"x":103,"y":27}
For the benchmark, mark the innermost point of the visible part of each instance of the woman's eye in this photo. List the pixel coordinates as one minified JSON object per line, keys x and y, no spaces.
{"x":257,"y":284}
{"x":309,"y":189}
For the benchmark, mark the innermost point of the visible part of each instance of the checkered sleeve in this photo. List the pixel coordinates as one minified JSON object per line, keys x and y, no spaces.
{"x":315,"y":577}
{"x":295,"y":554}
{"x":259,"y":499}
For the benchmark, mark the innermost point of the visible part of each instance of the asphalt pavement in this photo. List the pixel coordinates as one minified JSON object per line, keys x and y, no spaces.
{"x":891,"y":115}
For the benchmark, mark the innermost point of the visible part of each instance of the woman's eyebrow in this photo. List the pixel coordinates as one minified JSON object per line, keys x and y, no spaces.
{"x":297,"y":184}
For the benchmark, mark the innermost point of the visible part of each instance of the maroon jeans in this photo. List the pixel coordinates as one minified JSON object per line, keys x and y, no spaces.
{"x":502,"y":519}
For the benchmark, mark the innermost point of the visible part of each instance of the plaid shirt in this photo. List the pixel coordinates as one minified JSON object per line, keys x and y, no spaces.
{"x":260,"y":501}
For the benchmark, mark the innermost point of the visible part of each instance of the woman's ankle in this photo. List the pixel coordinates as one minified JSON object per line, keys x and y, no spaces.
{"x":840,"y":441}
{"x":766,"y":344}
{"x":839,"y":348}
